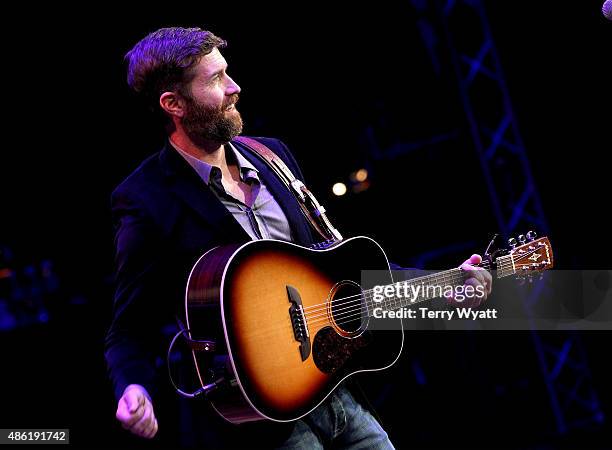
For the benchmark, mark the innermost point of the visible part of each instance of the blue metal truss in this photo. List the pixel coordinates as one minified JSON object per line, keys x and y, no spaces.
{"x":507,"y":171}
{"x":513,"y":192}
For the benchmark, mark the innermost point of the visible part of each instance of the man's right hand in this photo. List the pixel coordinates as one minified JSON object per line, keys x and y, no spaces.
{"x":135,"y":411}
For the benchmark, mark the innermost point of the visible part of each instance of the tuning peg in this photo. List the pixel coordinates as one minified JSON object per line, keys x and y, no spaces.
{"x":512,"y":242}
{"x":521,"y":238}
{"x":531,"y":235}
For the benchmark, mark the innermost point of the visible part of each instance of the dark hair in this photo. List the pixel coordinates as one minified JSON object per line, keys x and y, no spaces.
{"x":162,"y":61}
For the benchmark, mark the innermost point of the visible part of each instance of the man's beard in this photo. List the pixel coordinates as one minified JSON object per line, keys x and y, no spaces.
{"x":203,"y":122}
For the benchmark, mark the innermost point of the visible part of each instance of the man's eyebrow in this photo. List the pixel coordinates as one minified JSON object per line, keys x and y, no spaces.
{"x":218,"y":71}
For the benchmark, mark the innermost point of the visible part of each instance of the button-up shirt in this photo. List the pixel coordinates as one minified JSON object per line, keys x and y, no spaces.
{"x":264,"y":218}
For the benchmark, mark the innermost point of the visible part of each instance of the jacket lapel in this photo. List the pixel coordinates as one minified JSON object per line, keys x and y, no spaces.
{"x":190,"y":188}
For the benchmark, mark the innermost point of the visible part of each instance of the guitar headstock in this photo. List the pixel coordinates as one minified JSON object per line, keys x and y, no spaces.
{"x":526,"y":254}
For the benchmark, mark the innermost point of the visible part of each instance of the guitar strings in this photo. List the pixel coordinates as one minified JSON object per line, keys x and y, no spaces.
{"x":323,"y":306}
{"x":348,"y":314}
{"x":453,"y":277}
{"x":483,"y":265}
{"x":348,"y":311}
{"x":349,"y":317}
{"x":347,"y":308}
{"x":358,"y":310}
{"x":340,"y":319}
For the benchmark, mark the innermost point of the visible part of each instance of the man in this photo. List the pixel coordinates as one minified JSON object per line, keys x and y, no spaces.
{"x":202,"y":190}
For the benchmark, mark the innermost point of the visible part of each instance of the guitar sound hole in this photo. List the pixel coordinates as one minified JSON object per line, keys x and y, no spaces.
{"x":348,"y":307}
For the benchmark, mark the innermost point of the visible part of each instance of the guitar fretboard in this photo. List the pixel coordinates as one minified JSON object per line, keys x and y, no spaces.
{"x":417,"y":290}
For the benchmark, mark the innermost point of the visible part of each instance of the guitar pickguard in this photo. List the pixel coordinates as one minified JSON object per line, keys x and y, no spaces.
{"x":332,"y":352}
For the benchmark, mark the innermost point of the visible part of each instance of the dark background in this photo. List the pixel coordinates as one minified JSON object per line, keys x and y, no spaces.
{"x":315,"y":76}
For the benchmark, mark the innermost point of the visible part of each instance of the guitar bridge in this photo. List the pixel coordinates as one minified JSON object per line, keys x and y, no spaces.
{"x":298,"y":322}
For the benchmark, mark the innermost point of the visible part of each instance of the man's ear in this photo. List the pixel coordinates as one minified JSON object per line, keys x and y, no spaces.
{"x":172,"y":103}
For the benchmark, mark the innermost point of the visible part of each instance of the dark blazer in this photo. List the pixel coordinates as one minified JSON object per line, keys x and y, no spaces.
{"x":165,"y":217}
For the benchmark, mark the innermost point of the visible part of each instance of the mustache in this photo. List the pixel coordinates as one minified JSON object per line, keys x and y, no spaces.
{"x":233,"y":99}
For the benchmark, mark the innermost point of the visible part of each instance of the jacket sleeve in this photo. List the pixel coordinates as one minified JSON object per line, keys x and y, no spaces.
{"x":134,"y":330}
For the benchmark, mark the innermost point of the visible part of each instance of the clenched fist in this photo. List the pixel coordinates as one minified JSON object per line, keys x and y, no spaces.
{"x":135,"y":411}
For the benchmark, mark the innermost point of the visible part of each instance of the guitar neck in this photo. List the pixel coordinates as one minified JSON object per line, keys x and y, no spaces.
{"x":407,"y":293}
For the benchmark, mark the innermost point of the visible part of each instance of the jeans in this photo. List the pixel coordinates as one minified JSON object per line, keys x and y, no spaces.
{"x":339,"y":422}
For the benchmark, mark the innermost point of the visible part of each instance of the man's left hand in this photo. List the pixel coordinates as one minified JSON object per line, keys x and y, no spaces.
{"x":475,"y":277}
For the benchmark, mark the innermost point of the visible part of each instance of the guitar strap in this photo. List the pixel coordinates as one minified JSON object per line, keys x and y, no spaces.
{"x":311,"y":208}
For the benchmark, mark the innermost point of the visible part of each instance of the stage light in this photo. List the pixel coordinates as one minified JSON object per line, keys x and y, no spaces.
{"x":361,"y":175}
{"x":339,"y":189}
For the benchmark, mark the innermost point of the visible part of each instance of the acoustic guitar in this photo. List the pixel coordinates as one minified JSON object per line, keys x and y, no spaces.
{"x":291,"y":323}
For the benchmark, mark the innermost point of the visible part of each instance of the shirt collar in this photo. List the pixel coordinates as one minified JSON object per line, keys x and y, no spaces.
{"x":247,"y":170}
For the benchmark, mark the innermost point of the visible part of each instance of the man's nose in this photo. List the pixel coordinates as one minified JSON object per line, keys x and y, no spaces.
{"x":232,"y":87}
